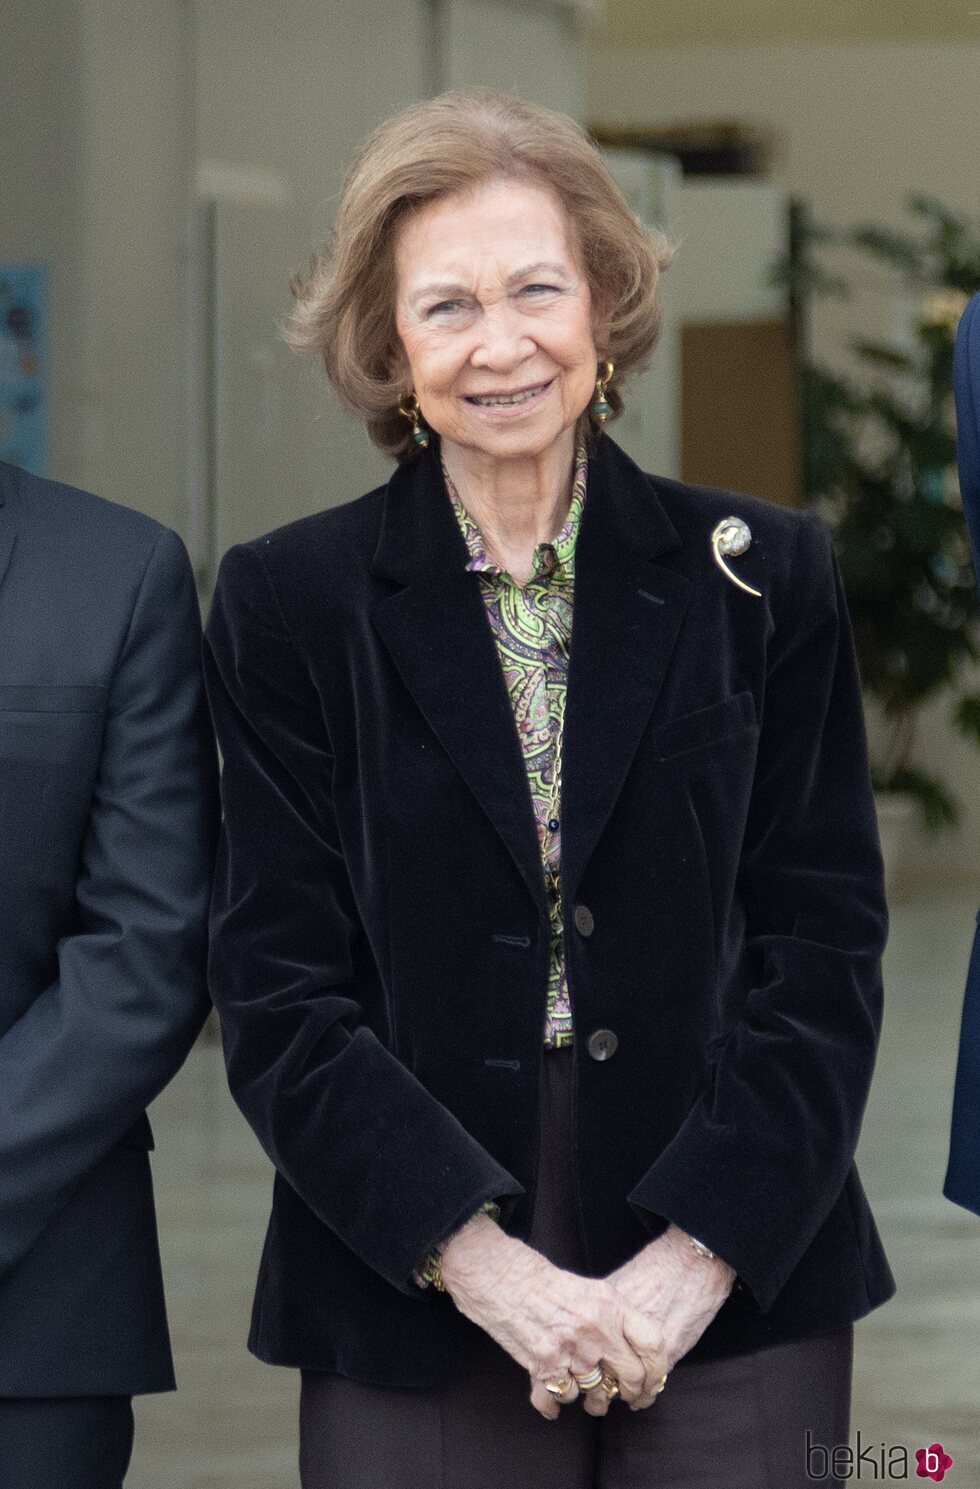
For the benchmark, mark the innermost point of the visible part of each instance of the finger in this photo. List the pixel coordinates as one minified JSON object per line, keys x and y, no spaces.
{"x":642,"y":1402}
{"x":597,"y":1387}
{"x":646,"y":1341}
{"x":630,"y":1350}
{"x":620,"y":1359}
{"x":635,"y":1397}
{"x":596,"y":1402}
{"x":630,"y":1395}
{"x":628,"y":1369}
{"x":632,"y":1390}
{"x":544,"y":1402}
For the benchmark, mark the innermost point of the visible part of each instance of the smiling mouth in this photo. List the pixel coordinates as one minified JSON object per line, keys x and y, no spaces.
{"x":508,"y":400}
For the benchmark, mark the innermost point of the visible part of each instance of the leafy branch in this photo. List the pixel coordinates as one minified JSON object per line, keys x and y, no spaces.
{"x":880,"y":462}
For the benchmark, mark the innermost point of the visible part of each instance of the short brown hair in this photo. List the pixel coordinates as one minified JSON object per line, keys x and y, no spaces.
{"x":345,"y":306}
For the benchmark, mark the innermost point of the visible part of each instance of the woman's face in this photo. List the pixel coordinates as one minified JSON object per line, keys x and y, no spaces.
{"x":490,"y":300}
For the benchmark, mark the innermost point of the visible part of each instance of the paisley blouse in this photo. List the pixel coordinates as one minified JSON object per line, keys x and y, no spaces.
{"x":532,"y":627}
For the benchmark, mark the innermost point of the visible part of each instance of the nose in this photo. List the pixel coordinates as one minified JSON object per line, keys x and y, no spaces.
{"x":503,"y":338}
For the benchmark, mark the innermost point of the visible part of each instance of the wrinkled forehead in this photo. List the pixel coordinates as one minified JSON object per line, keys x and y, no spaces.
{"x":521,"y":223}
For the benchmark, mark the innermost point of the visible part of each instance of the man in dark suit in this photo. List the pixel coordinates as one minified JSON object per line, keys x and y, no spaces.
{"x":962,"y":1182}
{"x":108,"y":822}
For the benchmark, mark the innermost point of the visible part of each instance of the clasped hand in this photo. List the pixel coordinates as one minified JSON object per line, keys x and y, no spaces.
{"x":636,"y":1323}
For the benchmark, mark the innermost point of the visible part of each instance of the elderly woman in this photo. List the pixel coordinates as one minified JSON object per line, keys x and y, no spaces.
{"x":547,"y":952}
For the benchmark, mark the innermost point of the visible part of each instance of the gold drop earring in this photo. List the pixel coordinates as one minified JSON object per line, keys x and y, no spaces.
{"x":419,"y":435}
{"x":601,"y":407}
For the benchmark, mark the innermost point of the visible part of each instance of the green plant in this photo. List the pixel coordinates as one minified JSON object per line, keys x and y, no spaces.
{"x":880,"y":464}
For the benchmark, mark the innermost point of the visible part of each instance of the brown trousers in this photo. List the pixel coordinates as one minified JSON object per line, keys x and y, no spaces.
{"x":740,"y":1423}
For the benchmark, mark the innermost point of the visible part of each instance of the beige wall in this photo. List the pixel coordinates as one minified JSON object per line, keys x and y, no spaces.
{"x":41,"y":188}
{"x":860,"y":126}
{"x":283,"y":95}
{"x":504,"y":46}
{"x":113,"y":111}
{"x":135,"y":147}
{"x":698,"y":22}
{"x":93,"y":183}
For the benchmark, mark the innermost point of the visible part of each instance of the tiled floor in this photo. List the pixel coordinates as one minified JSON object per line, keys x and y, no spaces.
{"x":917,"y":1374}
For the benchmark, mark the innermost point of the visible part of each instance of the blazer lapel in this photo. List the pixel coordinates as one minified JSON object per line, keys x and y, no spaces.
{"x":626,"y":618}
{"x":439,"y":637}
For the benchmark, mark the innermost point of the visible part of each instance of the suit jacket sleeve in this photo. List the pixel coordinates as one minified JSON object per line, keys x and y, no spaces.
{"x":377,"y":1158}
{"x":962,"y":1182}
{"x":966,"y":388}
{"x":130,"y":992}
{"x":764,"y":1153}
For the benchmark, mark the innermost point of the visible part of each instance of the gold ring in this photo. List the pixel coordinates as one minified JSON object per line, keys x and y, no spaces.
{"x":610,"y":1384}
{"x":559,"y":1387}
{"x":663,"y":1382}
{"x":589,"y":1381}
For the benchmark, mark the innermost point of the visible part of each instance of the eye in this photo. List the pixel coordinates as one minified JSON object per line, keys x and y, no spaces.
{"x":442,"y":305}
{"x":545,"y":287}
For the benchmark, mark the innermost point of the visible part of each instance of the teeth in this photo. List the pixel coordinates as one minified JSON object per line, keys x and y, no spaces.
{"x":515,"y":398}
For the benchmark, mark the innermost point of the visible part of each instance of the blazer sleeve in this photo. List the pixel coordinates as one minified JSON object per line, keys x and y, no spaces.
{"x":373,"y":1154}
{"x":966,"y":390}
{"x":763,"y":1154}
{"x":130,"y":991}
{"x":962,"y":1181}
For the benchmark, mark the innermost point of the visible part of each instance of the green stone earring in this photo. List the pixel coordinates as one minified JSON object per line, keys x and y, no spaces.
{"x":601,"y":407}
{"x":419,"y":435}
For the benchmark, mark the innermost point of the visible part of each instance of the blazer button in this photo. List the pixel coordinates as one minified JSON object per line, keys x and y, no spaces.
{"x":584,"y":921}
{"x":602,"y":1044}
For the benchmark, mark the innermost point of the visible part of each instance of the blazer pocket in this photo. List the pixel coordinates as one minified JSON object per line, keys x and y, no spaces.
{"x":54,"y":697}
{"x":706,"y":726}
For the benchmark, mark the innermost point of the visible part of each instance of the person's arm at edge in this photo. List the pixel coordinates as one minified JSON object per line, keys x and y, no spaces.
{"x":129,"y":997}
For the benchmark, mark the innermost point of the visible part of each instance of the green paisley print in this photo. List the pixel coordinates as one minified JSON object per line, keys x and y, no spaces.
{"x":532,"y":627}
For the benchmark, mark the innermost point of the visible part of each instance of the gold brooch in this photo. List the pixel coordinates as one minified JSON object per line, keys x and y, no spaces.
{"x":730,"y":539}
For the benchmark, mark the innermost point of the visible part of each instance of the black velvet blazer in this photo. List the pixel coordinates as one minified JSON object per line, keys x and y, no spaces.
{"x":379,"y":921}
